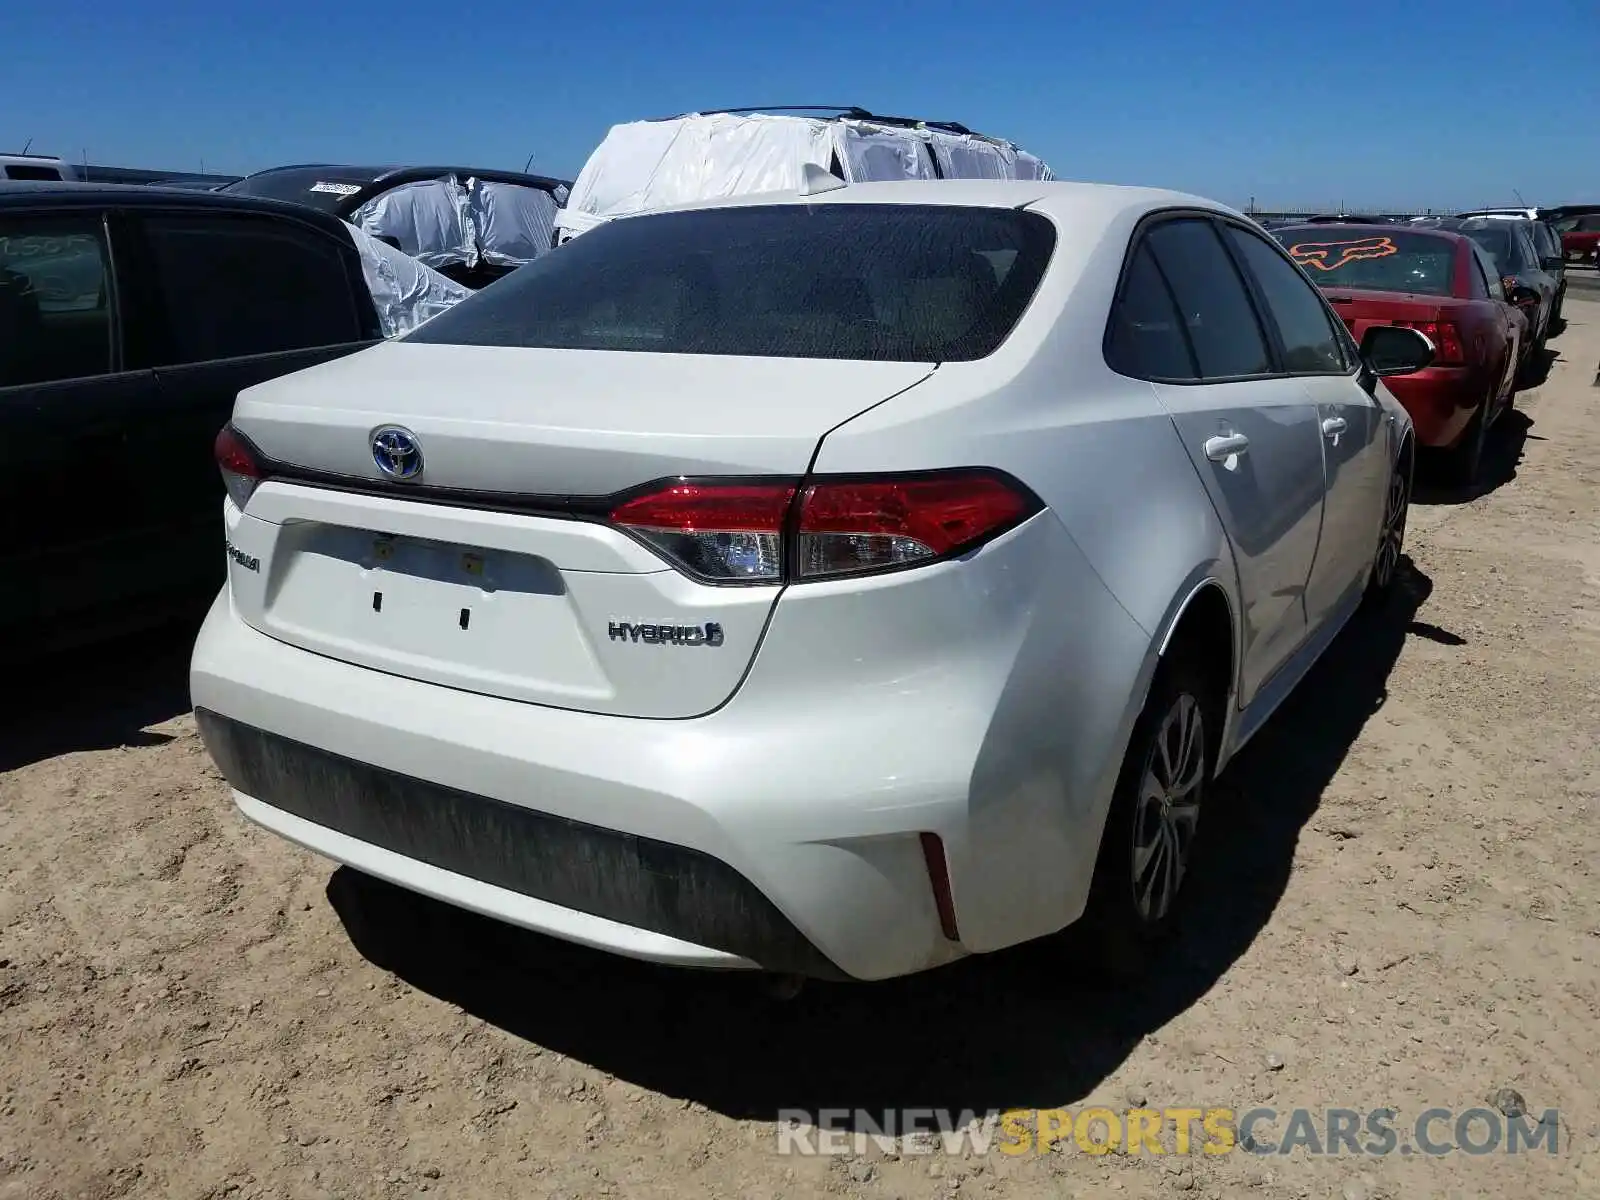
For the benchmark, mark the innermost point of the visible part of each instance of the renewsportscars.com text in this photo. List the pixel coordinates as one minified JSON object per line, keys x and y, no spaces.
{"x":1179,"y":1131}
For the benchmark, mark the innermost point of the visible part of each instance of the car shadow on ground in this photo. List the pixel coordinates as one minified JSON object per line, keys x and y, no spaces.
{"x":1535,"y":372}
{"x":1502,"y":454}
{"x":1017,"y":1028}
{"x":96,"y":697}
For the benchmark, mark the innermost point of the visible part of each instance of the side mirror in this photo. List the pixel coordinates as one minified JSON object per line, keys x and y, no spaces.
{"x":1553,"y":262}
{"x":1390,"y":350}
{"x":1522,"y":297}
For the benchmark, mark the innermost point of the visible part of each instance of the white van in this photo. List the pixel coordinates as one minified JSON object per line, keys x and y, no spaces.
{"x":43,"y":167}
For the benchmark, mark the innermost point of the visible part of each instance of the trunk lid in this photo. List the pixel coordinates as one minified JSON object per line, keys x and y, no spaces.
{"x":475,"y":574}
{"x":1360,"y":308}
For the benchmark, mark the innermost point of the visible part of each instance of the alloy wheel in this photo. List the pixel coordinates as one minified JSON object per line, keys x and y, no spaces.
{"x":1394,"y":533}
{"x":1167,"y":810}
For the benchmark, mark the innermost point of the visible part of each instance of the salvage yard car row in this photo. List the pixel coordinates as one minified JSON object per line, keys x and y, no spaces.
{"x":1474,"y":285}
{"x":830,"y":576}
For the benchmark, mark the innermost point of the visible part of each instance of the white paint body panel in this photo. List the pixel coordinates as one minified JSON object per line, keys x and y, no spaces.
{"x":988,"y":699}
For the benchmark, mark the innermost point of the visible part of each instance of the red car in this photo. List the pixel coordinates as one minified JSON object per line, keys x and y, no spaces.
{"x":1580,"y":237}
{"x":1444,"y":285}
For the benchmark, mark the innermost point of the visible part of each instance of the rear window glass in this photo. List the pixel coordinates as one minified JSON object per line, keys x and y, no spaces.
{"x":1499,"y":245}
{"x":1390,"y":261}
{"x":891,"y":282}
{"x":326,"y":191}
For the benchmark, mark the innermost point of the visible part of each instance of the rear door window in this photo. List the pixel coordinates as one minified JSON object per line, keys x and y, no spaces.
{"x":1305,"y":326}
{"x":55,"y":299}
{"x":894,"y":282}
{"x":231,"y":285}
{"x":1146,"y":338}
{"x":1216,"y":310}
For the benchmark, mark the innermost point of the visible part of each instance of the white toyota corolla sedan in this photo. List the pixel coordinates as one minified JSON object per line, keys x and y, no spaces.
{"x":838,"y":583}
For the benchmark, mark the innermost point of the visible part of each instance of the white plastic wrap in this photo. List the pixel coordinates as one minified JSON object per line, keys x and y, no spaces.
{"x":1030,"y":167}
{"x":429,"y":219}
{"x":646,"y":165}
{"x":514,"y":224}
{"x":881,"y":152}
{"x":404,"y":291}
{"x":964,"y":157}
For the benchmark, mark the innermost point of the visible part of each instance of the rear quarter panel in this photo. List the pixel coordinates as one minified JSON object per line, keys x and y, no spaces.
{"x":1138,"y":528}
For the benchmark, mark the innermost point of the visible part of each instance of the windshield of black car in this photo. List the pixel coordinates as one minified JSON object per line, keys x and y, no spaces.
{"x":888,"y":282}
{"x":1387,"y":260}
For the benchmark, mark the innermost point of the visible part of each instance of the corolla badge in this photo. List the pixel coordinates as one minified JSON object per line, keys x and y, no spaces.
{"x":397,"y":452}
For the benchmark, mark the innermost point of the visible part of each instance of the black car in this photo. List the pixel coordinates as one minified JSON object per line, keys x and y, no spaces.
{"x":1546,"y":240}
{"x":1529,"y":277}
{"x":470,"y":223}
{"x":130,"y":318}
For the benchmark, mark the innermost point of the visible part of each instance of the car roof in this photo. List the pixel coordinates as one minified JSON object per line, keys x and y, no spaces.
{"x":1477,"y":222}
{"x":1056,"y":198}
{"x":18,"y":193}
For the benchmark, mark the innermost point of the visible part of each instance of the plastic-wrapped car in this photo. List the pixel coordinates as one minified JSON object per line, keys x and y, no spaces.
{"x":471,"y":224}
{"x":405,"y":292}
{"x":646,"y":165}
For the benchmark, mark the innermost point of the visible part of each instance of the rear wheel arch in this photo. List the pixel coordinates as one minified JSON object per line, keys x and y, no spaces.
{"x":1203,"y":631}
{"x":1197,"y":656}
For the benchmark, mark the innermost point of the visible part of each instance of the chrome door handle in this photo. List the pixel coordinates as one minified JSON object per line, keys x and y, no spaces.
{"x":1333,"y":427}
{"x":1220,"y":449}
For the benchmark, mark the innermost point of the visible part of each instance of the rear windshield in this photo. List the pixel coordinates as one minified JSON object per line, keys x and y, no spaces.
{"x":1391,"y":261}
{"x":325,"y":191}
{"x":1498,"y":243}
{"x":891,"y":282}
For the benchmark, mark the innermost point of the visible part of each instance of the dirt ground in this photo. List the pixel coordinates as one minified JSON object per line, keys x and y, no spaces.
{"x":1400,"y":909}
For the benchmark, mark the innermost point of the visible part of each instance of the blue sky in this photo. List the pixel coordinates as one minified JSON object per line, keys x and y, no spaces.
{"x":1293,"y":103}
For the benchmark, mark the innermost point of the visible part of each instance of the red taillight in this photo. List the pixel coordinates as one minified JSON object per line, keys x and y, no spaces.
{"x":753,"y":532}
{"x":1446,"y":339}
{"x":241,"y":468}
{"x":850,"y":527}
{"x":724,"y":533}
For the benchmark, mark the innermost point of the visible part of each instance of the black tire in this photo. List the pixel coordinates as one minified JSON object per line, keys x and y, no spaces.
{"x":1135,"y":907}
{"x":1392,"y":534}
{"x":1463,"y":462}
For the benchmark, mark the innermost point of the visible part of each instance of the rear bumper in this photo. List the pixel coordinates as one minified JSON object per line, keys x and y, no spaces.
{"x":783,"y":830}
{"x":1440,"y":401}
{"x":661,"y":900}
